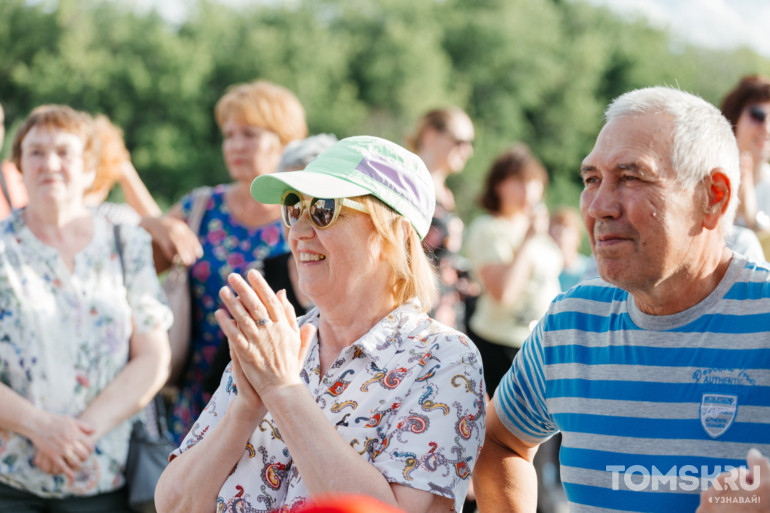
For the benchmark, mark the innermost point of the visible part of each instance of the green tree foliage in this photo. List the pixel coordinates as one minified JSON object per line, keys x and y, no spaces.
{"x":538,"y":71}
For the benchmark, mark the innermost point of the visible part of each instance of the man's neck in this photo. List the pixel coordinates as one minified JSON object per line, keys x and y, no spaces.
{"x":686,"y":288}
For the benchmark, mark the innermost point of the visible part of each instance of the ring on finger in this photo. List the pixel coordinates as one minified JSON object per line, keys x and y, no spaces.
{"x":263,"y":321}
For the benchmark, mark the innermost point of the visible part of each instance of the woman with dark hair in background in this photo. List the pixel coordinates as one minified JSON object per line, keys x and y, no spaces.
{"x":513,"y":258}
{"x":747,"y":107}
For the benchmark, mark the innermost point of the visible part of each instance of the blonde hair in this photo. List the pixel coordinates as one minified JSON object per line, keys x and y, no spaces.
{"x":113,"y":154}
{"x":413,"y":274}
{"x":266,"y":105}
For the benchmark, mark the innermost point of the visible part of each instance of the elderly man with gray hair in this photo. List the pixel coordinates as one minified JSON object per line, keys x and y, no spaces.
{"x":657,"y":373}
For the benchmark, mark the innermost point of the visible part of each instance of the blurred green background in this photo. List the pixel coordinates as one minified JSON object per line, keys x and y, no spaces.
{"x":538,"y":71}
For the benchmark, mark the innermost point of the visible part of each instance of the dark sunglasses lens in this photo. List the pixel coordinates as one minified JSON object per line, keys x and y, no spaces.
{"x":291,"y":208}
{"x":757,"y":114}
{"x":322,"y":211}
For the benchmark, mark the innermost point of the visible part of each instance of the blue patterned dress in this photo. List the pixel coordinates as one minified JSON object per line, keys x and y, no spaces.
{"x":228,"y":247}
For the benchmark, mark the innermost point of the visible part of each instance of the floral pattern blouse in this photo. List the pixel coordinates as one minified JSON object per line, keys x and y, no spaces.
{"x":64,"y":336}
{"x":408,"y":396}
{"x":228,"y":247}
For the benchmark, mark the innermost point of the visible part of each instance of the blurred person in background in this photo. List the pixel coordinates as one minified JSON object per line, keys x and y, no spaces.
{"x":443,"y":138}
{"x":366,"y":393}
{"x":746,"y":107}
{"x":280,"y":271}
{"x":513,"y":258}
{"x":518,"y":265}
{"x":566,"y":229}
{"x":83,"y":330}
{"x":115,"y":167}
{"x":14,"y":195}
{"x":257,"y":121}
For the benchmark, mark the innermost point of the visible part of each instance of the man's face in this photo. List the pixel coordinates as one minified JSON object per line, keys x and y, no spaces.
{"x":640,"y":220}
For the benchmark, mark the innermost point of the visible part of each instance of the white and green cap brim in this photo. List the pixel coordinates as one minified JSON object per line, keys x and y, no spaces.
{"x":358,"y":166}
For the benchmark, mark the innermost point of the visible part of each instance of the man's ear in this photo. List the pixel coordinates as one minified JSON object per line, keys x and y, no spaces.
{"x":718,"y":193}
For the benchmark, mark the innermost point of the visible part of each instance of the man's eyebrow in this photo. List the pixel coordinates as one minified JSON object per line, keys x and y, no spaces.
{"x":638,"y":168}
{"x":630,"y":166}
{"x":634,"y":167}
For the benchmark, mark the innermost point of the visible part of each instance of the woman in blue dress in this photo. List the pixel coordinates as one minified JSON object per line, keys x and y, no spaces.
{"x":236,"y":233}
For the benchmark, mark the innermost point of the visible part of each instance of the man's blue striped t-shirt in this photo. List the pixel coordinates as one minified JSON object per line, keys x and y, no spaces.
{"x":651,"y":408}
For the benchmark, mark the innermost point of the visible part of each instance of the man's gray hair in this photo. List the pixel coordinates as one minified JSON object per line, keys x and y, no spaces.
{"x":702,"y":138}
{"x":298,"y":154}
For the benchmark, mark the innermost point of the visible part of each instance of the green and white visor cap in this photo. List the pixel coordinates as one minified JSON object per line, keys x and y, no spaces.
{"x":357,"y":166}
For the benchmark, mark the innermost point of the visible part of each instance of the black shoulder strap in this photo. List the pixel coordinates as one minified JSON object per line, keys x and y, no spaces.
{"x":156,"y":408}
{"x":119,"y":247}
{"x":156,"y":404}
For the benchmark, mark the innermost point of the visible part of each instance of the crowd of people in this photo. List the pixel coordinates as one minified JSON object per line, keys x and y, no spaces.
{"x":354,"y":342}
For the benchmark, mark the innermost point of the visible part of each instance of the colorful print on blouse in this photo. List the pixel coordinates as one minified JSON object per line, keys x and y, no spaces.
{"x":228,"y":247}
{"x":408,"y":396}
{"x":64,"y":336}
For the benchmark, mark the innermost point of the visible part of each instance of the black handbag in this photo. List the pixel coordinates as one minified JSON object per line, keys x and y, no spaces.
{"x":147,"y":457}
{"x":150,"y":443}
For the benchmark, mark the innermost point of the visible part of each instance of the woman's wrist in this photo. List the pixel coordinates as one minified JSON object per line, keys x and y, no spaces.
{"x":250,"y":413}
{"x":281,"y":394}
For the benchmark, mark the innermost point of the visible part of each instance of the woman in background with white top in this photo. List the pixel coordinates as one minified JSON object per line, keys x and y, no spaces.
{"x":514,"y":259}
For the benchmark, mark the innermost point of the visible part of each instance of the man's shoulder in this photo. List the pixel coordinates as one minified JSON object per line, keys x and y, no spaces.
{"x":597,"y":306}
{"x":749,"y":266}
{"x":594,"y":290}
{"x":752,"y":280}
{"x":591,"y":306}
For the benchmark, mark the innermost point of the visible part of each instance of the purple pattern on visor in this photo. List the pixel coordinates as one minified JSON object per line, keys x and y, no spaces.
{"x":399,"y":179}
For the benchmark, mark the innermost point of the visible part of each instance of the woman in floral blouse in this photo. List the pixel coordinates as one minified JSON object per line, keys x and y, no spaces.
{"x":236,"y":233}
{"x":365,"y":393}
{"x":83,"y":342}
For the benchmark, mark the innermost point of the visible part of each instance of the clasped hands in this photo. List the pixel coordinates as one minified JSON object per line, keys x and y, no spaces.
{"x":63,"y":443}
{"x":267,"y":347}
